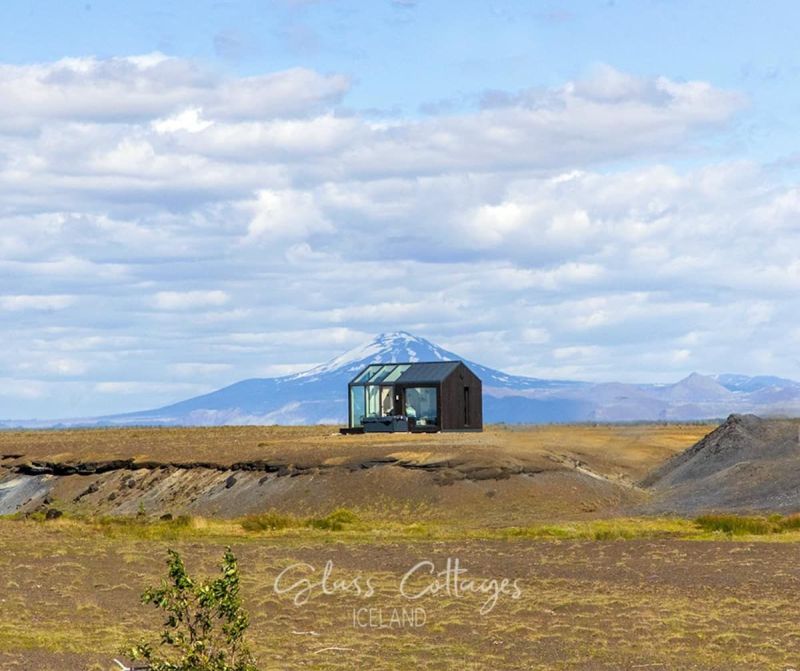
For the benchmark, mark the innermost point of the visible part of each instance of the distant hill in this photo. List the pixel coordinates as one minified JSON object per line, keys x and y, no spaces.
{"x":746,"y":464}
{"x":319,"y":395}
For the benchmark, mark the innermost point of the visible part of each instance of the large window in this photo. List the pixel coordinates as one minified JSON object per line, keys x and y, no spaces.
{"x":421,"y":403}
{"x":372,"y":394}
{"x":357,"y":406}
{"x":373,"y":405}
{"x":370,"y":401}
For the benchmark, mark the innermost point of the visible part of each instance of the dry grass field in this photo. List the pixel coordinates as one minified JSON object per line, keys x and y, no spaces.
{"x":626,"y":449}
{"x":596,"y":591}
{"x":689,"y":601}
{"x":501,"y":477}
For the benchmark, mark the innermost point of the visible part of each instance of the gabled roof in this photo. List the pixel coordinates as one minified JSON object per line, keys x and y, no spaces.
{"x":405,"y":373}
{"x":428,"y":372}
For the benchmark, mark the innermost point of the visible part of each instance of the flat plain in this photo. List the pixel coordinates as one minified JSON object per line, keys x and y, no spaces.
{"x":599,"y":586}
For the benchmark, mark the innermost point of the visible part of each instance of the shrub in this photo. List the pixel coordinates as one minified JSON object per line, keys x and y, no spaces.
{"x":269,"y":521}
{"x":335,"y":521}
{"x":610,"y":534}
{"x":272,"y":521}
{"x":790,"y":523}
{"x":737,"y":525}
{"x":205,"y":622}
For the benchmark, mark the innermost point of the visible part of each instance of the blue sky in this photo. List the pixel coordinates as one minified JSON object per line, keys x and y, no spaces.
{"x":404,"y":55}
{"x":194,"y":193}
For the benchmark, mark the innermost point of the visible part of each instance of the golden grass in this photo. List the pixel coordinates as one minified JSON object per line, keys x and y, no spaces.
{"x":628,"y":450}
{"x":356,"y":527}
{"x":72,"y":588}
{"x":616,"y":593}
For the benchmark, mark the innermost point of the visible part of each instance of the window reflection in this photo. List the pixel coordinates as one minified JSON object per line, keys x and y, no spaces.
{"x":397,"y":372}
{"x":381,"y":374}
{"x":368,"y":373}
{"x":373,"y":408}
{"x":387,"y":401}
{"x":357,"y":406}
{"x":421,"y":403}
{"x":372,"y":395}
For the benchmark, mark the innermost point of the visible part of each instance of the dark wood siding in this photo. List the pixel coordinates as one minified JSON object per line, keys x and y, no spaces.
{"x":453,"y":401}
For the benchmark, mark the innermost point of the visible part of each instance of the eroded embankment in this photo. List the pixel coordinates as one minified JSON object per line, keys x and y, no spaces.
{"x":748,"y":464}
{"x":506,"y":490}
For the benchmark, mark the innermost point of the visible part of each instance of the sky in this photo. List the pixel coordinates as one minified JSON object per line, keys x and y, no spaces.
{"x":194,"y":193}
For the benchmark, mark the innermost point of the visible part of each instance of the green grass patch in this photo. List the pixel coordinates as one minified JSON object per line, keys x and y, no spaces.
{"x":335,"y":521}
{"x":270,"y":521}
{"x":737,"y":525}
{"x":355,"y":527}
{"x":274,"y":521}
{"x":606,"y":530}
{"x":744,"y":525}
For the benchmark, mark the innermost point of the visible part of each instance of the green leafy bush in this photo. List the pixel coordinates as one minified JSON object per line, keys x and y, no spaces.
{"x":205,"y":622}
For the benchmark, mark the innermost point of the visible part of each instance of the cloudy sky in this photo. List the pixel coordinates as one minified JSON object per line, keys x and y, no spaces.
{"x":192,"y":193}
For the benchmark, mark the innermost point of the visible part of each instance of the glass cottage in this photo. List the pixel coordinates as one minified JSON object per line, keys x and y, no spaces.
{"x":418,"y":397}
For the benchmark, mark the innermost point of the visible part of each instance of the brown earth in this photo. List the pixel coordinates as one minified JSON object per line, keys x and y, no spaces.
{"x":70,"y":600}
{"x":630,"y":450}
{"x":69,"y":587}
{"x":501,"y":476}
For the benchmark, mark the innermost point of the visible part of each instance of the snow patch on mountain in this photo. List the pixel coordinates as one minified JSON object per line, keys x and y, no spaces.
{"x":386,"y":348}
{"x":319,"y":395}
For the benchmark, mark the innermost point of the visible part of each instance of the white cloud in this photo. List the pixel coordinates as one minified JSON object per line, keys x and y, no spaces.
{"x":159,"y":219}
{"x":128,"y":388}
{"x":67,"y":367}
{"x":48,"y":365}
{"x":189,"y":120}
{"x":127,"y":89}
{"x":197,"y":369}
{"x":28,"y":302}
{"x":25,"y":389}
{"x":534,"y":336}
{"x":586,"y":352}
{"x":189,"y":300}
{"x":286,"y":214}
{"x":279,"y":370}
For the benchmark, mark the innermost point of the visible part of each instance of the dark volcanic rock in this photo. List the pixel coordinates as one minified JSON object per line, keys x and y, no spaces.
{"x":746,"y":464}
{"x":91,"y":489}
{"x":740,"y":438}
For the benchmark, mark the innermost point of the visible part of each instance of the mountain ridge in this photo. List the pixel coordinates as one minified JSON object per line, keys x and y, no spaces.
{"x":318,"y":395}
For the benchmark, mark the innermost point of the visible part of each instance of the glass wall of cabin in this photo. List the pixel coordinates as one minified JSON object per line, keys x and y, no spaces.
{"x":372,"y":392}
{"x":422,"y":403}
{"x":357,"y":406}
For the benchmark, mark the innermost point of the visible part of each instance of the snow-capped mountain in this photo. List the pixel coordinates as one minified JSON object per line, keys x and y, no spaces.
{"x":402,"y":347}
{"x":319,"y":395}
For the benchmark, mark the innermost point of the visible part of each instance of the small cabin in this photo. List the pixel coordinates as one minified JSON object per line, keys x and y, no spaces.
{"x":416,"y":397}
